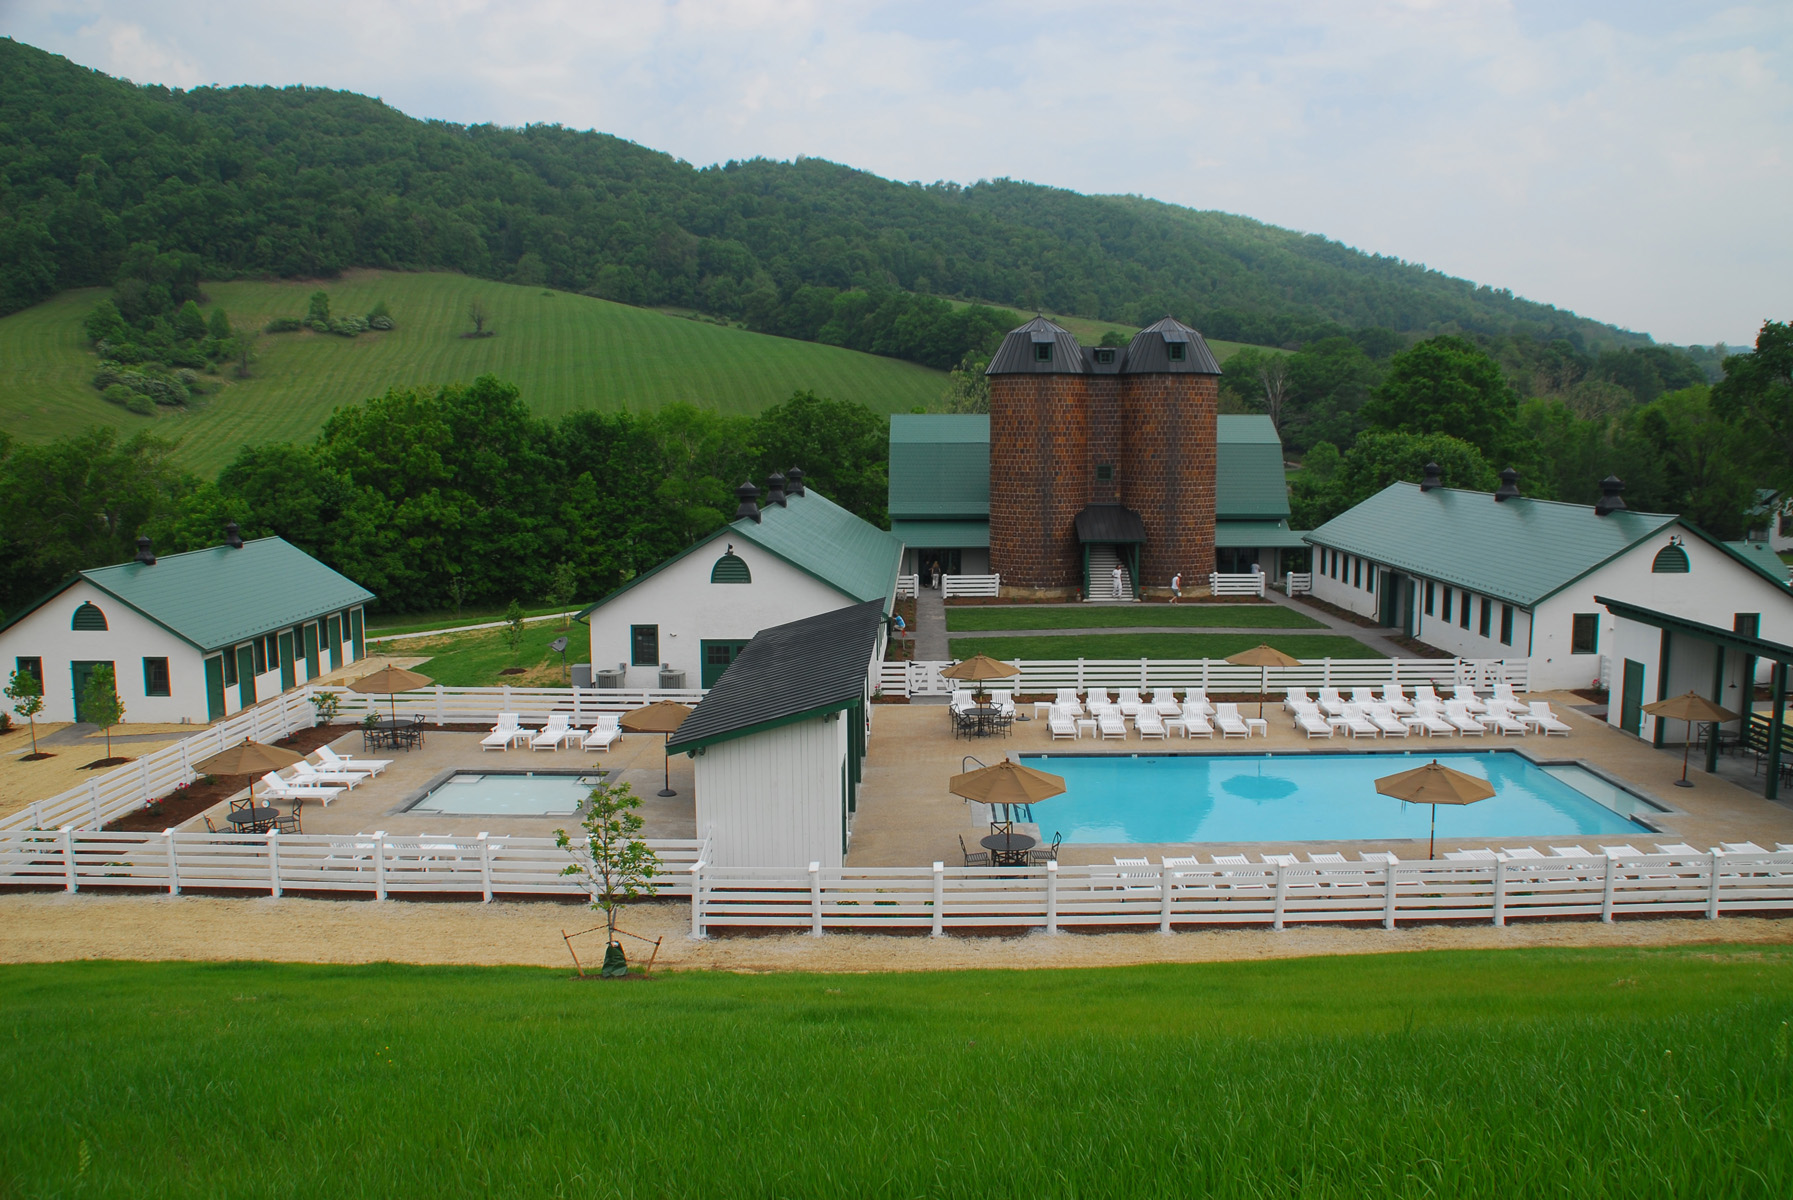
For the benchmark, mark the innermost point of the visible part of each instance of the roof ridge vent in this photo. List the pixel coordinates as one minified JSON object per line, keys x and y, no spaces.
{"x":775,"y":490}
{"x":793,"y":481}
{"x":1434,"y":478}
{"x":1509,"y":485}
{"x":232,"y":536}
{"x":749,"y":507}
{"x":145,"y":553}
{"x":1612,"y":497}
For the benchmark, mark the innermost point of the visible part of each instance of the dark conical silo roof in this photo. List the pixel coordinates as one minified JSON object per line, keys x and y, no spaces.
{"x":1019,"y":353}
{"x":1150,"y":352}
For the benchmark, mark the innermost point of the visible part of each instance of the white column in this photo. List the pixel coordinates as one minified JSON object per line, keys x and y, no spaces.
{"x":1606,"y":893}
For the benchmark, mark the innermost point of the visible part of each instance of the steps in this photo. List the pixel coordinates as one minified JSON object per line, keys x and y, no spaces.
{"x":1102,"y":562}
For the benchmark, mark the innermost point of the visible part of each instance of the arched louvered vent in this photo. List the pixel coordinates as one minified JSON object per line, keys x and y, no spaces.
{"x":1670,"y":560}
{"x":731,"y":568}
{"x":89,"y":618}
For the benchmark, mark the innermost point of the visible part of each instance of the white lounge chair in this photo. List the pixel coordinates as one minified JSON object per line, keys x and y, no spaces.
{"x":1386,"y":723}
{"x":1572,"y":852}
{"x":1385,"y":857}
{"x":1068,"y":701}
{"x":1279,"y":860}
{"x":1505,"y":694}
{"x":1197,"y":699}
{"x":1364,"y":698}
{"x":602,"y":735}
{"x":1396,"y":701}
{"x":505,"y":734}
{"x":1313,"y":724}
{"x":1331,"y":703}
{"x":1231,"y":723}
{"x":1521,"y":853}
{"x":1625,"y":851}
{"x":1356,"y":723}
{"x":1463,"y":721}
{"x":1165,"y":701}
{"x":1328,"y":857}
{"x":1130,"y":702}
{"x":1423,"y":694}
{"x":556,"y":731}
{"x":331,"y":760}
{"x":1485,"y":854}
{"x":1742,"y":848}
{"x":281,"y":789}
{"x":1465,"y":695}
{"x":1504,"y":722}
{"x":1110,"y":725}
{"x":1432,"y":721}
{"x":1545,"y":721}
{"x":1677,"y":848}
{"x":306,"y":775}
{"x":1295,"y":699}
{"x":1061,"y":723}
{"x":1195,"y":723}
{"x":1150,"y":724}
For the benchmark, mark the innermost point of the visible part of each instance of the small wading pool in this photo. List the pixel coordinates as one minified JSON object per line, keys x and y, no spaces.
{"x":507,"y":794}
{"x":1319,"y":797}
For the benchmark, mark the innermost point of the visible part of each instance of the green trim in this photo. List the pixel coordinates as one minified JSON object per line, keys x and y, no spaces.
{"x":1728,"y":638}
{"x":761,"y":726}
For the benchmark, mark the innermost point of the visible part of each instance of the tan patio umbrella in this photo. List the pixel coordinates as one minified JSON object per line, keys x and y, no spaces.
{"x":1434,"y":784}
{"x":1266,"y":657}
{"x":252,"y":759}
{"x":1006,"y":783}
{"x":1689,"y":707}
{"x":662,"y":716}
{"x":978,"y":668}
{"x":388,"y":681}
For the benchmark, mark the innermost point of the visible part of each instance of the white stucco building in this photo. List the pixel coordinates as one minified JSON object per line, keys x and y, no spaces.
{"x":1499,"y":575}
{"x":189,"y":637}
{"x":797,"y":556}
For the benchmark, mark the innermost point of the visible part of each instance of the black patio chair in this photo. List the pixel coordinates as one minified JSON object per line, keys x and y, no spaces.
{"x":1046,"y":854}
{"x":290,"y":822}
{"x":209,"y":827}
{"x":973,"y":858}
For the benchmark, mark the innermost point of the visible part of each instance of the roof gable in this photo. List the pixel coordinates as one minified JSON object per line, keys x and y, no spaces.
{"x":939,"y":466}
{"x":1249,"y":481}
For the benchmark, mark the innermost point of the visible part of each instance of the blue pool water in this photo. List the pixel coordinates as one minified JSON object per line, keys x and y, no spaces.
{"x":1308,"y":797}
{"x":507,"y":794}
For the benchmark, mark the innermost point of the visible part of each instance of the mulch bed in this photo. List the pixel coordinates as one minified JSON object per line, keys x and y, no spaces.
{"x":1343,"y":614}
{"x":183,"y":804}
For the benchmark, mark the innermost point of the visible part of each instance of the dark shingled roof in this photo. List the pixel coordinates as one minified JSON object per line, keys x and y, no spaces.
{"x":807,"y":668}
{"x":1149,"y":353}
{"x":1110,"y":523}
{"x":1016,"y":354}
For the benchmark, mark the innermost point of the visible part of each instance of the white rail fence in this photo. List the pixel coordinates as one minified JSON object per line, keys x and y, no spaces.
{"x":439,"y":705}
{"x":1298,"y":583}
{"x":908,"y":586}
{"x":1215,"y":674}
{"x":378,"y":864}
{"x":1249,"y":584}
{"x":1052,"y":897}
{"x":970,"y":585}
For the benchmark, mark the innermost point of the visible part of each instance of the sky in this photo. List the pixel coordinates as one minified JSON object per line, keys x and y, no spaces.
{"x":1632,"y":161}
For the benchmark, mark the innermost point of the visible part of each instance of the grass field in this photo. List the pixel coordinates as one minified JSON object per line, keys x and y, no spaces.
{"x":475,"y":659}
{"x":1159,"y":645}
{"x":1089,"y":331}
{"x":564,"y":351}
{"x":417,"y":622}
{"x":1582,"y":1073}
{"x":1099,"y":616}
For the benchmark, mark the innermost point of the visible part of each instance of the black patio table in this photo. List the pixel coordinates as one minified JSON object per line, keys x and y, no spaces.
{"x":258,"y":819}
{"x":1008,"y":849}
{"x":396,"y":735}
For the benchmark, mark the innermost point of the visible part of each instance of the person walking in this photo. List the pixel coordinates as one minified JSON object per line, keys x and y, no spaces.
{"x":1118,"y":595}
{"x":1176,"y":587}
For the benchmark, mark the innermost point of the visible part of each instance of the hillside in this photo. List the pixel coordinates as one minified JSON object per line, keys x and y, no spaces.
{"x":303,"y":182}
{"x":564,"y":352}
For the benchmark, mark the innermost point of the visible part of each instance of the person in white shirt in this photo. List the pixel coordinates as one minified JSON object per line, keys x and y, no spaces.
{"x":1117,"y":583}
{"x":1176,"y":587}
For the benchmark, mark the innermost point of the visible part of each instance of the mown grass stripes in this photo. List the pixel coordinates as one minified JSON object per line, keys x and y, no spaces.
{"x":1158,"y":645}
{"x":1098,"y":616}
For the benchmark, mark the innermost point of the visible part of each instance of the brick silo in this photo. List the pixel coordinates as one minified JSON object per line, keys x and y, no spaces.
{"x":1169,"y":397}
{"x":1039,"y":459}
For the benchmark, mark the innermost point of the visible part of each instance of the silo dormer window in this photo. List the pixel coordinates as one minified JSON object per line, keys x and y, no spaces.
{"x":1175,"y":350}
{"x":1042,"y":352}
{"x":730,"y":568}
{"x":1105,"y":356}
{"x":89,"y":619}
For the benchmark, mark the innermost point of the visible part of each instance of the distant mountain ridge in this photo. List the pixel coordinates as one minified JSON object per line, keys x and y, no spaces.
{"x":303,"y":182}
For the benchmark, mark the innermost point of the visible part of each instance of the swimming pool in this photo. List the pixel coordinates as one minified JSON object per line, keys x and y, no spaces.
{"x":1309,"y":797}
{"x":507,"y":794}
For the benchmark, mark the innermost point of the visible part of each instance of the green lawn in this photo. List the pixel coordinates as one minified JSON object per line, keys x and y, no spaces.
{"x":1576,"y":1073}
{"x":418,"y":622}
{"x":564,"y":351}
{"x":475,"y":659}
{"x":1160,"y":645}
{"x":1093,"y":616}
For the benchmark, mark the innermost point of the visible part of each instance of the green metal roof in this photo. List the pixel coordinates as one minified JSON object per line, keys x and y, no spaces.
{"x":1262,"y":534}
{"x":1248,"y":477}
{"x":1520,"y":550}
{"x":1239,"y":429}
{"x":218,"y":597}
{"x":1759,"y":553}
{"x":815,"y":535}
{"x":939,"y":466}
{"x":942,"y":535}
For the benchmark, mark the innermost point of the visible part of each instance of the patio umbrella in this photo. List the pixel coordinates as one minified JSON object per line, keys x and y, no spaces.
{"x":662,"y":716}
{"x":251,"y":758}
{"x":1266,"y":657}
{"x":1006,"y":783}
{"x":978,"y":668}
{"x":1434,"y":784}
{"x":1690,"y":707}
{"x":388,"y":681}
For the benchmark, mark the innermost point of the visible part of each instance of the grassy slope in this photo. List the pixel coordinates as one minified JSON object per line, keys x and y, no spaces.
{"x":1089,"y":331}
{"x":1036,"y":616}
{"x":1586,"y":1073}
{"x":475,"y":659}
{"x":564,"y":351}
{"x":1158,"y":645}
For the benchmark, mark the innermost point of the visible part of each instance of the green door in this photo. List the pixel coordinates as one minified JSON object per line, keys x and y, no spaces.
{"x":288,"y":676}
{"x":1631,"y":704}
{"x":245,"y":676}
{"x":214,"y":687}
{"x":333,"y":639}
{"x":79,"y":672}
{"x":311,"y":650}
{"x":716,"y":658}
{"x":355,"y":636}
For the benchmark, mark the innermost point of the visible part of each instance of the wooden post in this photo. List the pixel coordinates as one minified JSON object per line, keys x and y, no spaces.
{"x":815,"y":899}
{"x":485,"y":867}
{"x":174,"y":865}
{"x":1052,"y":897}
{"x":1500,"y":892}
{"x":1388,"y":896}
{"x":939,"y":929}
{"x":1606,"y":892}
{"x":1282,"y":896}
{"x":68,"y":858}
{"x":274,"y":863}
{"x":1717,"y":858}
{"x":379,"y":864}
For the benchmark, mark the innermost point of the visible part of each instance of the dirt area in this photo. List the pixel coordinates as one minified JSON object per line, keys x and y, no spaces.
{"x":49,"y":927}
{"x":72,"y":756}
{"x":183,"y":804}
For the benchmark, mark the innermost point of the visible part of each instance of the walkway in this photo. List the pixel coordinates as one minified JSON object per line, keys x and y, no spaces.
{"x":930,"y":627}
{"x":1376,"y":638}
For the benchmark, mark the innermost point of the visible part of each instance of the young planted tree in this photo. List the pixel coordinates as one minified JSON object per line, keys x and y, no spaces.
{"x":613,"y":859}
{"x":560,"y":589}
{"x":28,"y":701}
{"x":477,"y":313}
{"x":513,"y":630}
{"x":100,"y":703}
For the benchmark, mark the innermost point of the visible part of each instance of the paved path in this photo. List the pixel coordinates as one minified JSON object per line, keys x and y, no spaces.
{"x":930,"y":627}
{"x":1376,"y":638}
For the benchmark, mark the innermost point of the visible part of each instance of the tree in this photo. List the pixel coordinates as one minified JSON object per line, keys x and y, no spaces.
{"x":1327,"y":486}
{"x":476,"y":312}
{"x":100,"y":703}
{"x":1273,"y":378}
{"x":967,"y":387}
{"x":28,"y":700}
{"x":513,"y":630}
{"x":1756,"y":395}
{"x":561,"y":586}
{"x":615,"y":862}
{"x":1113,"y":338}
{"x":843,"y":448}
{"x":189,"y":323}
{"x":318,"y":309}
{"x":1686,"y":459}
{"x":243,"y":348}
{"x":1447,"y":385}
{"x":219,"y":325}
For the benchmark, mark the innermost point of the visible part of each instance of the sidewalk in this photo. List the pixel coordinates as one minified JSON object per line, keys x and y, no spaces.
{"x":1377,"y":638}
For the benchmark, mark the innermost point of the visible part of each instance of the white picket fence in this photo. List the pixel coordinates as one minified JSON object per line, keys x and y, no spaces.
{"x":378,"y":864}
{"x":439,"y":705}
{"x":1249,"y":584}
{"x":970,"y":585}
{"x":1298,"y":583}
{"x":908,"y":586}
{"x":1052,"y":897}
{"x":1215,"y":674}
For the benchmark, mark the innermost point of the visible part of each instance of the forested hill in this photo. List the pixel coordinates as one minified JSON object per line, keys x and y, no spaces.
{"x":307,"y":182}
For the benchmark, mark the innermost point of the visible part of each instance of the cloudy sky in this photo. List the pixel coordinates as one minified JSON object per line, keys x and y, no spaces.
{"x":1629,"y":159}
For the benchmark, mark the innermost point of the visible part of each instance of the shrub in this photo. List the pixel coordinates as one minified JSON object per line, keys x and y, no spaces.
{"x":284,"y":325}
{"x":187,"y":377}
{"x":118,"y":394}
{"x":140,"y":404}
{"x":318,"y":309}
{"x":379,"y":317}
{"x":318,"y":325}
{"x":348,"y":326}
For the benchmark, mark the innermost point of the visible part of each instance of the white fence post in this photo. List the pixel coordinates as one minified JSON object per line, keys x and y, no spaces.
{"x":815,"y":899}
{"x":379,"y":864}
{"x":68,"y":858}
{"x":1606,"y":893}
{"x":439,"y":721}
{"x":1052,"y":897}
{"x":1282,"y":895}
{"x":697,"y":902}
{"x":1388,"y":897}
{"x":274,"y":863}
{"x":93,"y":802}
{"x":1165,"y":875}
{"x":1711,"y":890}
{"x":1500,"y":892}
{"x":485,"y":868}
{"x":939,"y":929}
{"x":174,"y":865}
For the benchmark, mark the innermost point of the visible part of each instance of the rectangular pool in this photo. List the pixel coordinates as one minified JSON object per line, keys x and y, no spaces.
{"x":1311,"y":797}
{"x":507,"y":794}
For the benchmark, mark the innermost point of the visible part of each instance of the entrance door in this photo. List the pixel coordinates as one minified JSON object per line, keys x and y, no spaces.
{"x":80,"y":672}
{"x":245,"y":677}
{"x":716,"y":659}
{"x":310,"y":630}
{"x":1631,"y":704}
{"x":288,"y":676}
{"x":1391,"y":599}
{"x":214,"y":687}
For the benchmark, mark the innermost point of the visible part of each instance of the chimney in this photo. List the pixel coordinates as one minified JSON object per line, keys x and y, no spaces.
{"x":793,"y":481}
{"x":145,"y":555}
{"x":1434,"y":478}
{"x":232,"y":538}
{"x":749,"y":497}
{"x":1509,"y":485}
{"x":1611,"y":498}
{"x":775,"y":490}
